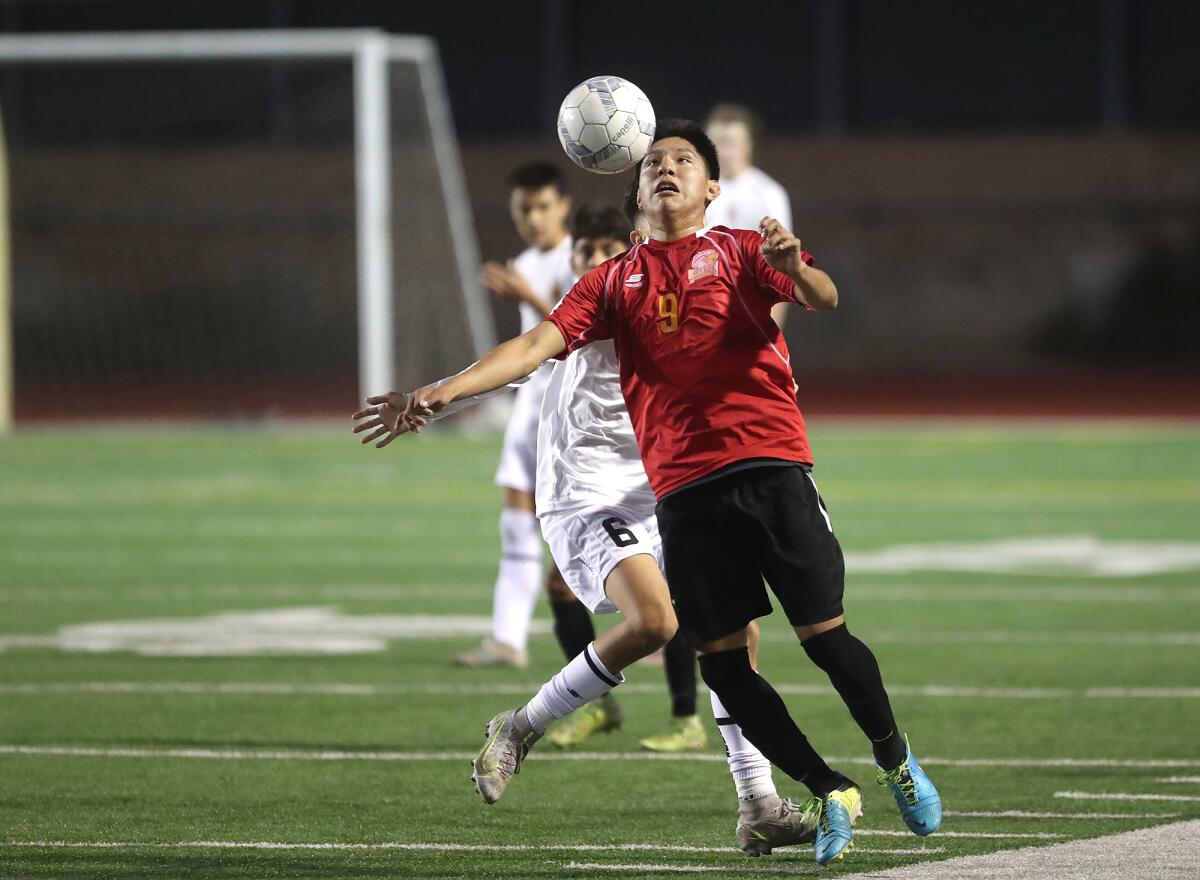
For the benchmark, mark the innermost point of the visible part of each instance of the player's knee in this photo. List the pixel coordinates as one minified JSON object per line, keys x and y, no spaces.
{"x":726,"y":671}
{"x":830,"y":649}
{"x":654,"y":626}
{"x":519,"y":532}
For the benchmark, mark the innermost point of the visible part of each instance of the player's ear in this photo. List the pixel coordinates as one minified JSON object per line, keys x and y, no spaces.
{"x":714,"y":190}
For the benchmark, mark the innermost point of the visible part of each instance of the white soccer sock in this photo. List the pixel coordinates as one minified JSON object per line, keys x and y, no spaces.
{"x":520,"y":579}
{"x":750,"y":768}
{"x":579,"y":682}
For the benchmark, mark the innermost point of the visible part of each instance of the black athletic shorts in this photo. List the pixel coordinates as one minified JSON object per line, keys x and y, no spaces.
{"x":721,"y":538}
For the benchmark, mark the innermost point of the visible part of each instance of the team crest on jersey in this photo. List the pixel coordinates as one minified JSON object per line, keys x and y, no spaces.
{"x":633,"y":280}
{"x":703,"y":264}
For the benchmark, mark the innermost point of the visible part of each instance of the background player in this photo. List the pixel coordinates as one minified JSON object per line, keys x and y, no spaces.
{"x":747,"y":193}
{"x":539,"y":207}
{"x":598,"y":234}
{"x":726,"y":451}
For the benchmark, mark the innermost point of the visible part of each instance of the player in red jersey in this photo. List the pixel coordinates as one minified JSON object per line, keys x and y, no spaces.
{"x":708,"y":384}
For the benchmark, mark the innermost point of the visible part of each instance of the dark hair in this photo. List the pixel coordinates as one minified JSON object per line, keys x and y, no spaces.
{"x":536,"y":175}
{"x":629,"y":202}
{"x":738,"y":114}
{"x":598,"y":221}
{"x":694,"y":135}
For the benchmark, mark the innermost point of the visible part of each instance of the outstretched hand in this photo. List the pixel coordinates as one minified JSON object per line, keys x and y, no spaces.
{"x":384,"y":417}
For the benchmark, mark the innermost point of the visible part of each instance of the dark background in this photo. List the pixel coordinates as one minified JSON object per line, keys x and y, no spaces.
{"x":808,"y":66}
{"x":1008,"y":194}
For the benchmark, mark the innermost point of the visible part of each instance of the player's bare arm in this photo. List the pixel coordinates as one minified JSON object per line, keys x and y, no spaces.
{"x":506,"y":282}
{"x":504,"y":364}
{"x":781,"y":249}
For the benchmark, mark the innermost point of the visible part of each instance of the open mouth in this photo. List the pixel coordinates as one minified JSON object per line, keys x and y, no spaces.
{"x":666,"y":187}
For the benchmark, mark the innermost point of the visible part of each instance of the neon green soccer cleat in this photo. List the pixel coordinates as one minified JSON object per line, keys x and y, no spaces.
{"x":688,"y":736}
{"x":599,"y":716}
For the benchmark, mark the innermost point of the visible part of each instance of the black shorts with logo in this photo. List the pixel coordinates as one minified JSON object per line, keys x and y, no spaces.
{"x":722,"y":537}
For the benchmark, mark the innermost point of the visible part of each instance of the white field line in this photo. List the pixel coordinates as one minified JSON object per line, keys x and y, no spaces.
{"x":1012,"y":637}
{"x":1123,"y":796}
{"x":1175,"y":780}
{"x":410,"y":847}
{"x":472,"y":590}
{"x":248,"y":593}
{"x":286,"y":642}
{"x":646,"y":867}
{"x":203,"y":557}
{"x":399,"y":757}
{"x":1031,"y":814}
{"x":515,"y":689}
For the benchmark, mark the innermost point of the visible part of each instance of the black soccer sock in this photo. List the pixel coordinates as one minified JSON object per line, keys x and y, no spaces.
{"x":679,"y":662}
{"x":572,"y":627}
{"x":854,"y":672}
{"x":764,"y":719}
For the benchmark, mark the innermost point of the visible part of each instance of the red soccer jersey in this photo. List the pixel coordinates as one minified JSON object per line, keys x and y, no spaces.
{"x":704,"y":369}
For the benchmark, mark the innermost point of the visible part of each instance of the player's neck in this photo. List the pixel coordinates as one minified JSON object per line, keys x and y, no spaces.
{"x":667,"y":228}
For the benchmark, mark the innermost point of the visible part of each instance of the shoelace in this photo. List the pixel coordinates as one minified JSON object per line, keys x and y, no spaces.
{"x":817,"y":805}
{"x":901,"y":777}
{"x":511,"y":756}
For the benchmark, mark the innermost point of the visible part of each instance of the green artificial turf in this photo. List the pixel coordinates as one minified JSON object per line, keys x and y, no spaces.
{"x":372,"y":748}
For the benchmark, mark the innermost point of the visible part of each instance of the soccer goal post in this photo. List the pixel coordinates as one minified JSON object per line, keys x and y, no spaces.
{"x":238,"y":221}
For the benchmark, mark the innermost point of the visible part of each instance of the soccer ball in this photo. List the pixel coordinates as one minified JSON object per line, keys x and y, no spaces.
{"x":606,"y":124}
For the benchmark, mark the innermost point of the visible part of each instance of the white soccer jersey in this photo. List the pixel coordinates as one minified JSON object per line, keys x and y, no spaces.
{"x":587,"y":454}
{"x":548,"y":274}
{"x":746,"y":199}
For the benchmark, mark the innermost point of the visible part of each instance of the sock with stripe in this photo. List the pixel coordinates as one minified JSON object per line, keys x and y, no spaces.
{"x":520,"y":578}
{"x":764,"y":719}
{"x":573,"y":626}
{"x":579,"y":682}
{"x":749,"y":767}
{"x":854,"y":672}
{"x":679,"y":664}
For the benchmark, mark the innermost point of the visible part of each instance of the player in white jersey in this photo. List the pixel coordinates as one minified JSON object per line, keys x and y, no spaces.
{"x":747,"y":193}
{"x":597,"y":513}
{"x":535,"y":280}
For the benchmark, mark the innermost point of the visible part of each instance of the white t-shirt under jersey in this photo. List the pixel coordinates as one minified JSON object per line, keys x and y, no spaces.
{"x":746,"y":199}
{"x":587,"y":454}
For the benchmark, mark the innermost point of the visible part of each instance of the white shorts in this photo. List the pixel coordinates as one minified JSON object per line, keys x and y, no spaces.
{"x":587,"y":543}
{"x":518,"y":459}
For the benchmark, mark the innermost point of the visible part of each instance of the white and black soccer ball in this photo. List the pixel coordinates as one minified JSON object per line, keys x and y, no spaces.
{"x":606,"y":124}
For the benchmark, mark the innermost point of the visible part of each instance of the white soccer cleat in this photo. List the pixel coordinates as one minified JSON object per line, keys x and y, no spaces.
{"x":493,"y":655}
{"x":500,"y":758}
{"x":778,"y":822}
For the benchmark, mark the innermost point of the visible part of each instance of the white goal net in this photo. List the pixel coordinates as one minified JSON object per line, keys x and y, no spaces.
{"x":229,"y":225}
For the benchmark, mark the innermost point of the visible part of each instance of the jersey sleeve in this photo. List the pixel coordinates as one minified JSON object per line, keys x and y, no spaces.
{"x":775,"y":285}
{"x":582,"y":316}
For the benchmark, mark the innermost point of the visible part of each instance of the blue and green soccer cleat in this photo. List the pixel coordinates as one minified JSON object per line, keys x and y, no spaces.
{"x":836,"y":813}
{"x":916,"y":796}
